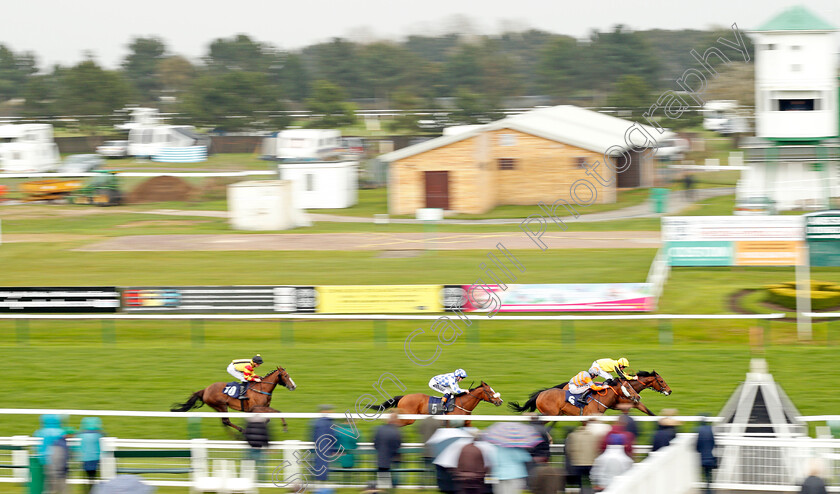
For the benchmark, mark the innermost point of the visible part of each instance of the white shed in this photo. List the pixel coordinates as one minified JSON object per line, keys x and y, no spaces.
{"x":263,"y":205}
{"x":27,"y":148}
{"x":323,"y":184}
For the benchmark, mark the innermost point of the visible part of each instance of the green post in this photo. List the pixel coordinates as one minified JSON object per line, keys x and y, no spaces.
{"x":36,"y":475}
{"x":197,"y":331}
{"x":194,"y":427}
{"x":108,"y":333}
{"x":287,"y":332}
{"x":567,"y":332}
{"x":666,"y":334}
{"x":22,"y":331}
{"x":380,"y":332}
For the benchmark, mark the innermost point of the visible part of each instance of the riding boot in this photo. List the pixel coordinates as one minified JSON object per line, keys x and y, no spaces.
{"x":445,"y":402}
{"x":243,"y":391}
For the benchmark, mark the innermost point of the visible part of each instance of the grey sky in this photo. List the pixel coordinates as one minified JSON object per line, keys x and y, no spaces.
{"x":61,"y":32}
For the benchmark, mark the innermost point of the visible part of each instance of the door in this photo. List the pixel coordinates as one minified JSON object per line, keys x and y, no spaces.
{"x":437,"y":190}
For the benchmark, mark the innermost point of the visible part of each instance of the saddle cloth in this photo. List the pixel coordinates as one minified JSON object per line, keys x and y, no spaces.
{"x":232,"y":389}
{"x":436,"y":408}
{"x":575,"y":400}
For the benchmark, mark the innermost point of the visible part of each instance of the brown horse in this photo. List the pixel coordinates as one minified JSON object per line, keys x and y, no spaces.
{"x":645,"y":380}
{"x":259,"y":397}
{"x":552,"y":401}
{"x":418,"y":403}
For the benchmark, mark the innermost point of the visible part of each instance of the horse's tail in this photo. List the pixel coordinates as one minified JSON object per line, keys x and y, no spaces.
{"x":195,"y":401}
{"x":528,"y":406}
{"x":390,"y":403}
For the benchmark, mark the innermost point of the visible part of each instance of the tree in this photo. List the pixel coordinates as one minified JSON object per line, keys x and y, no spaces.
{"x":235,"y":100}
{"x":15,"y":69}
{"x":242,"y":53}
{"x":406,"y":121}
{"x":337,"y":62}
{"x":559,"y":67}
{"x":141,"y":66}
{"x":474,"y":108}
{"x":386,"y":67}
{"x":293,"y":77}
{"x":631,"y":92}
{"x":329,"y":103}
{"x":175,"y":73}
{"x":87,"y":89}
{"x":40,"y":94}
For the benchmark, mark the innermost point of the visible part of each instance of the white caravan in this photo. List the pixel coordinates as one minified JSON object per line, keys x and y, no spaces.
{"x":718,"y":114}
{"x":148,"y":141}
{"x":27,"y":148}
{"x":303,"y":145}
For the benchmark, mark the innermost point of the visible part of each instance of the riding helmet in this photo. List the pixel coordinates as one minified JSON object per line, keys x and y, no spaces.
{"x":257,"y":359}
{"x":460,"y":373}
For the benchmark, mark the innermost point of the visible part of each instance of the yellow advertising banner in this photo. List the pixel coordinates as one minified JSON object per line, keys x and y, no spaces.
{"x":378,"y":299}
{"x":767,"y":252}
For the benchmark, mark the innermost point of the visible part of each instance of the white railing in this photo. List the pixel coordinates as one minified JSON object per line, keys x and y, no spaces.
{"x":670,"y":470}
{"x":660,"y":268}
{"x":391,"y":317}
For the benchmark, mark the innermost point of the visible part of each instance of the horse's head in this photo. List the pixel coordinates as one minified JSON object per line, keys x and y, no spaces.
{"x":488,"y":394}
{"x":283,"y":378}
{"x":660,"y":384}
{"x":625,"y":390}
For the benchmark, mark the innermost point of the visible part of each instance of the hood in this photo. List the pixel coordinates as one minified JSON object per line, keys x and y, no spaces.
{"x":91,"y":424}
{"x":49,"y":421}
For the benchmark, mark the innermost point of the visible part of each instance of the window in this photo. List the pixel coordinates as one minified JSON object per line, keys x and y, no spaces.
{"x":507,"y":140}
{"x":771,"y":47}
{"x":580,"y":162}
{"x":796,"y":105}
{"x":507,"y":163}
{"x":310,"y":182}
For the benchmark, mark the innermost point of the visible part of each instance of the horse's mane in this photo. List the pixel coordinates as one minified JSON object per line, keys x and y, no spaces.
{"x":272,"y":372}
{"x":645,"y":374}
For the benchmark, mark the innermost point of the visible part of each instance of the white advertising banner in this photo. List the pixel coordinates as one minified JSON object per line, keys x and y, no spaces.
{"x":729,"y":228}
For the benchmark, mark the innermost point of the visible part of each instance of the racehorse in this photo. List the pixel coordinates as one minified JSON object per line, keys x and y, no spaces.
{"x":645,"y":380}
{"x":259,"y":394}
{"x":552,"y":401}
{"x":418,"y":403}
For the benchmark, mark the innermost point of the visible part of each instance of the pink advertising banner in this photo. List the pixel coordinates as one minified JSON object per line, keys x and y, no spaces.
{"x":588,"y":297}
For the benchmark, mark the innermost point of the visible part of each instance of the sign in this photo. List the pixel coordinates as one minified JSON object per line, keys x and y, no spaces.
{"x":730,"y":228}
{"x":59,"y":299}
{"x":822,"y":230}
{"x":377,"y":299}
{"x":555,"y":298}
{"x":719,"y":253}
{"x":767,"y":253}
{"x":202,"y":299}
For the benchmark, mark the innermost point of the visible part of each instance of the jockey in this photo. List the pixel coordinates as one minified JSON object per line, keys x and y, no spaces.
{"x":245,"y":371}
{"x":448,"y":383}
{"x":604,"y":366}
{"x":579,"y":387}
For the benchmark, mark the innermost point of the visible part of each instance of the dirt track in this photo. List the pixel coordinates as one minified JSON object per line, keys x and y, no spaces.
{"x":376,"y":241}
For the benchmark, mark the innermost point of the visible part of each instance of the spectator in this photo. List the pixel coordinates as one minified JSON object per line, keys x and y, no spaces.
{"x":814,"y":484}
{"x":347,"y":440}
{"x":581,"y":451}
{"x":49,"y":433}
{"x":706,"y":447}
{"x":666,"y":430}
{"x":427,"y":428}
{"x":612,"y":463}
{"x":387,"y":442}
{"x":322,"y":431}
{"x":509,"y":468}
{"x":89,"y":448}
{"x":627,"y":439}
{"x":258,"y":437}
{"x":688,"y":181}
{"x":626,"y":420}
{"x":472,"y":470}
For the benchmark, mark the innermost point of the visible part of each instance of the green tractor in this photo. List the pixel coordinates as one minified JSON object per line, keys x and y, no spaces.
{"x":102,"y":190}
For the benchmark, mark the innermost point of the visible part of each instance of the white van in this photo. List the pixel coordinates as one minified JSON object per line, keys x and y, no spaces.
{"x":26,"y":148}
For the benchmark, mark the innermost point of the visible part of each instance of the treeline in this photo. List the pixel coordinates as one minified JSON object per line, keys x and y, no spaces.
{"x":244,"y":83}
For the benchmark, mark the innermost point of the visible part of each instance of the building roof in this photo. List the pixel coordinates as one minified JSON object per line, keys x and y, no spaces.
{"x":796,"y":19}
{"x":568,"y":124}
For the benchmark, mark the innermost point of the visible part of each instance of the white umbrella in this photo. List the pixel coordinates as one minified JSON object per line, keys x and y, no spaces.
{"x":448,"y":458}
{"x":444,"y":437}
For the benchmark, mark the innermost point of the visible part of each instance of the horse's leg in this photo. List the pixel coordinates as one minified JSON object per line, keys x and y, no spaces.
{"x":264,"y":409}
{"x":641,"y":406}
{"x":222,"y":408}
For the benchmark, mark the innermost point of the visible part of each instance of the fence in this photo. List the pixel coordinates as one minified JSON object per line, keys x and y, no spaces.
{"x":670,"y":470}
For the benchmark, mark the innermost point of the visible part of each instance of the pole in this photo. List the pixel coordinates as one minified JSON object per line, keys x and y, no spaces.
{"x":803,"y":294}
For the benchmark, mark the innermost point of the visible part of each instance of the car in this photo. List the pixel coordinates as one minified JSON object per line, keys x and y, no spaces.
{"x":750,"y":206}
{"x":113,"y":149}
{"x":672,"y":149}
{"x":80,"y":163}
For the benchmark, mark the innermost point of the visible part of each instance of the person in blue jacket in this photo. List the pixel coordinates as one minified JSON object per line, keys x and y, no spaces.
{"x":89,"y":448}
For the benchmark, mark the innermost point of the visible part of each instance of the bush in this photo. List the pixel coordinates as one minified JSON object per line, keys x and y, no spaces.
{"x":824,"y":294}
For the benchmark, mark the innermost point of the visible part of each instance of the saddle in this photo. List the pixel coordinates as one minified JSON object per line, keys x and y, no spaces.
{"x":437,"y":408}
{"x":577,"y":400}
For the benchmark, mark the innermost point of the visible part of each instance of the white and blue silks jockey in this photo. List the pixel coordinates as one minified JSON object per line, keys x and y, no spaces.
{"x":448,"y":383}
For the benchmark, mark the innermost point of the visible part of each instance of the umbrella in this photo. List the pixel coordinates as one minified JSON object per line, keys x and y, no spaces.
{"x":512,"y":435}
{"x":123,"y":484}
{"x":444,"y":437}
{"x":448,"y":458}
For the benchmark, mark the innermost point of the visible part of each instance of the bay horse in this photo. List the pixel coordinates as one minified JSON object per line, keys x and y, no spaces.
{"x":259,"y":394}
{"x":552,"y":401}
{"x":646,"y":380}
{"x":418,"y":403}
